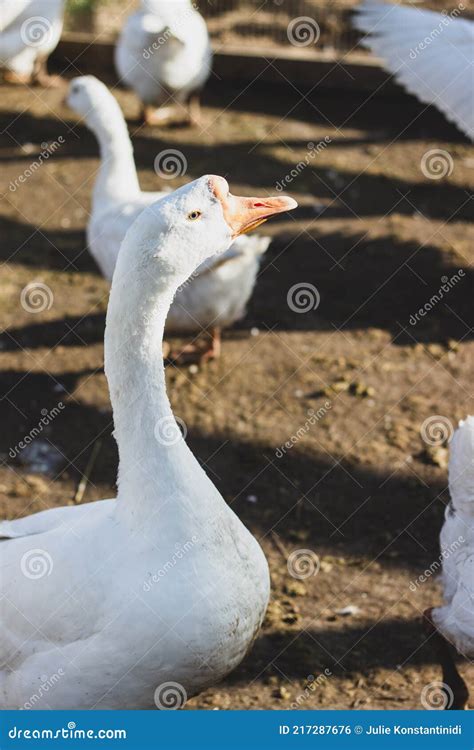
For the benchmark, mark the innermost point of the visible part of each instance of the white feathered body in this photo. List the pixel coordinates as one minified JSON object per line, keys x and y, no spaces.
{"x":29,"y":31}
{"x":115,"y":614}
{"x":164,"y":51}
{"x":455,"y":619}
{"x":429,"y":53}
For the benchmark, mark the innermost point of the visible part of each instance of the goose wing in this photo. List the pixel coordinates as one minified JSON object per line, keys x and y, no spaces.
{"x":429,"y":53}
{"x":53,"y":518}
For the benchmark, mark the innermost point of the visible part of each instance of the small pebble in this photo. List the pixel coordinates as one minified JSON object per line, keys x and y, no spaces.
{"x":348,"y":611}
{"x":193,"y":369}
{"x":254,"y":332}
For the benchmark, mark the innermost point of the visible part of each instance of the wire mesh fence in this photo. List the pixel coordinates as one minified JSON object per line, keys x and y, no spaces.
{"x":312,"y":26}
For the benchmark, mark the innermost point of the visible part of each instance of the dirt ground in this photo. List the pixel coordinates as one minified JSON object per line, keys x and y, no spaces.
{"x":359,"y":487}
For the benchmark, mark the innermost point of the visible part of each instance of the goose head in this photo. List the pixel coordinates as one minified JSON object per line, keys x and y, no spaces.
{"x":196,"y":222}
{"x":92,"y":100}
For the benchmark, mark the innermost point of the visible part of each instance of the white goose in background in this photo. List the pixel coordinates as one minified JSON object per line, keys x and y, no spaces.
{"x":29,"y":31}
{"x":217,"y":294}
{"x":429,"y":53}
{"x":453,"y":623}
{"x":164,"y":54}
{"x":98,"y":593}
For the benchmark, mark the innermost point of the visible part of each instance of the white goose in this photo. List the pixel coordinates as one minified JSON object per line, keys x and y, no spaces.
{"x":453,"y":623}
{"x":218,"y":293}
{"x":163,"y":53}
{"x":430,"y":54}
{"x":98,"y":593}
{"x":29,"y":31}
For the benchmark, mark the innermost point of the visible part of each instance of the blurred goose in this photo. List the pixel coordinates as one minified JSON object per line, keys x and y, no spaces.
{"x":162,"y":591}
{"x":430,"y":54}
{"x":29,"y":31}
{"x":217,"y":294}
{"x":453,"y":623}
{"x":163,"y":53}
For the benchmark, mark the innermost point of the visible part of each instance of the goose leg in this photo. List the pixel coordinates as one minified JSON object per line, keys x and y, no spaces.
{"x":41,"y":77}
{"x":196,"y":353}
{"x":215,"y":346}
{"x":158,"y":116}
{"x":9,"y":76}
{"x":194,"y":110}
{"x":451,"y":676}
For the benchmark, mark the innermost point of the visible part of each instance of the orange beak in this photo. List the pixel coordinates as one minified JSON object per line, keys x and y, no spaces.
{"x":245,"y":214}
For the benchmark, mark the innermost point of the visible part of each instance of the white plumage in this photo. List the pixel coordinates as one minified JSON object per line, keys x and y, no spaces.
{"x":429,"y":53}
{"x":165,"y":584}
{"x":29,"y":31}
{"x":217,"y":294}
{"x":455,"y":619}
{"x":163,"y":52}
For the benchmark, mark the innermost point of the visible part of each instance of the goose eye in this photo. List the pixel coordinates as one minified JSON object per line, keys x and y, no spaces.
{"x":194,"y":215}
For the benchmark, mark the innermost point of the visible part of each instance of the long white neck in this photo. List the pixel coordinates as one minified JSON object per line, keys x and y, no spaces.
{"x":117,"y":179}
{"x":156,"y":468}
